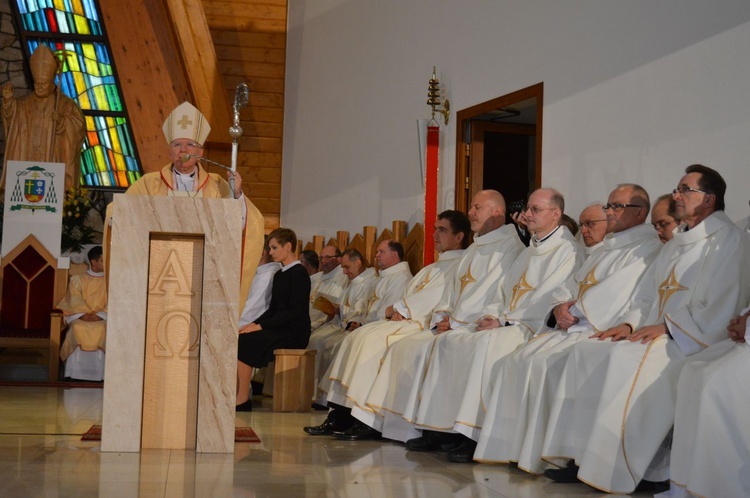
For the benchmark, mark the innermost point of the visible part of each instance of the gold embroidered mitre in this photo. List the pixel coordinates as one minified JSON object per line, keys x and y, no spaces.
{"x":185,"y":121}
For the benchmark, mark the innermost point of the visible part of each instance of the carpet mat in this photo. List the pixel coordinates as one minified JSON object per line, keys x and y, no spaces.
{"x":241,"y":435}
{"x":66,"y":384}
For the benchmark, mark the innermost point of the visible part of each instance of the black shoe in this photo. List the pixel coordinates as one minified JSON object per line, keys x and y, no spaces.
{"x":326,"y":428}
{"x":247,"y":406}
{"x":434,"y":441}
{"x":654,"y":487}
{"x":318,"y":407}
{"x":357,"y":432}
{"x":428,"y":442}
{"x":567,"y":475}
{"x":464,"y":453}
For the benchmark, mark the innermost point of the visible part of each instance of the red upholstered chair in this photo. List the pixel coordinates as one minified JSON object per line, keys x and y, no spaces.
{"x":31,"y":286}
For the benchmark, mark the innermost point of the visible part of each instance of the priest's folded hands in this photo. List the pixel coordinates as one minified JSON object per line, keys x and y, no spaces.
{"x":562,"y":315}
{"x":444,"y":325}
{"x":487,"y":323}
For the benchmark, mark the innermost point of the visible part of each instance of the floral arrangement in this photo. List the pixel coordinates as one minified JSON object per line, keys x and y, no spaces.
{"x":75,"y":232}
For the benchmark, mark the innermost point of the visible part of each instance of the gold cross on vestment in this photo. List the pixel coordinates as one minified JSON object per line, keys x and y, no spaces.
{"x":373,"y":299}
{"x":519,"y":290}
{"x":184,"y":122}
{"x":667,"y":289}
{"x":422,"y":284}
{"x":466,"y":280}
{"x":588,"y":282}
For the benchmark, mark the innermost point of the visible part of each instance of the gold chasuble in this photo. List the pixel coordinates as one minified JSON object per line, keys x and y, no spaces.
{"x":211,"y":185}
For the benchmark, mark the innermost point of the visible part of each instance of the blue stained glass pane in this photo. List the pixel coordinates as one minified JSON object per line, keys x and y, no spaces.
{"x":90,"y":10}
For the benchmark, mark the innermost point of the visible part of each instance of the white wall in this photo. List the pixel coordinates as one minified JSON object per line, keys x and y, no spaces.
{"x":634,"y":91}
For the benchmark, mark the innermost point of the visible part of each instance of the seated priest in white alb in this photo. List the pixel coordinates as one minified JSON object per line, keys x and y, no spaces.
{"x":327,"y":289}
{"x":393,"y":276}
{"x":482,"y":267}
{"x":464,"y":362}
{"x":325,"y":302}
{"x":85,"y":311}
{"x":664,"y":217}
{"x":620,"y":395}
{"x":711,"y":437}
{"x":597,"y":298}
{"x":364,"y":350}
{"x":592,"y":224}
{"x":353,"y":309}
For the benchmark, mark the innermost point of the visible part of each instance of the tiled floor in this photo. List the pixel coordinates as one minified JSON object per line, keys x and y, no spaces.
{"x":41,"y":454}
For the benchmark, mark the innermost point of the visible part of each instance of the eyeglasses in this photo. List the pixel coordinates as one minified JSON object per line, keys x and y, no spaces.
{"x":589,"y":224}
{"x":684,"y":189}
{"x":188,"y":146}
{"x":535,"y":209}
{"x":617,"y":207}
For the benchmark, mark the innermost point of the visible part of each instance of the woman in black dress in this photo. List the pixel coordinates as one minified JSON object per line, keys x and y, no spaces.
{"x":286,"y":323}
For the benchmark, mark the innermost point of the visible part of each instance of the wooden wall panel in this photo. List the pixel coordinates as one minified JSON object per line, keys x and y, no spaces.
{"x":152,"y":86}
{"x":249,"y":40}
{"x":249,"y":37}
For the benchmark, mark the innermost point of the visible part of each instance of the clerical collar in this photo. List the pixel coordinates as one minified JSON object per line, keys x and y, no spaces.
{"x":450,"y":255}
{"x":369,"y":272}
{"x":539,"y":241}
{"x":185,"y":181}
{"x":400,"y":266}
{"x":185,"y":175}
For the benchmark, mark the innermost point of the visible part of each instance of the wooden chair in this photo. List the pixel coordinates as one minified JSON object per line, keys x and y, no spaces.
{"x":32,"y":285}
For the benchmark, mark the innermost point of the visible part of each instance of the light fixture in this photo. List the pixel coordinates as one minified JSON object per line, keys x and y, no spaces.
{"x":433,"y":98}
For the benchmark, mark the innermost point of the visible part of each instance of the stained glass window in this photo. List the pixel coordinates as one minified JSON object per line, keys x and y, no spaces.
{"x":72,"y":29}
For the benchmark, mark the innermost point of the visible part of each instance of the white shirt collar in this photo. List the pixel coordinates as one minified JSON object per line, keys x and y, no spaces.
{"x":285,"y":268}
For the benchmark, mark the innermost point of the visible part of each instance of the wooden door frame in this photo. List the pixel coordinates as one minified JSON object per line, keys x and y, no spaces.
{"x":466,"y":185}
{"x":475,"y":164}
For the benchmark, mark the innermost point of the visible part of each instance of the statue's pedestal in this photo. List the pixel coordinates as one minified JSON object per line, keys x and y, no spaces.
{"x":174,"y":278}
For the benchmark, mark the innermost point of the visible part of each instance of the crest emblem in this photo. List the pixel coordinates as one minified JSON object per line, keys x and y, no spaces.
{"x":34,"y":190}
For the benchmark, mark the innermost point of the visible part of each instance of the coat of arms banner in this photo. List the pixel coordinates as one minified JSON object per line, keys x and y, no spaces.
{"x":34,"y":195}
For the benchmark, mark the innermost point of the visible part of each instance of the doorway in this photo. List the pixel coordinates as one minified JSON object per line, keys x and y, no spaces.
{"x":500,"y":147}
